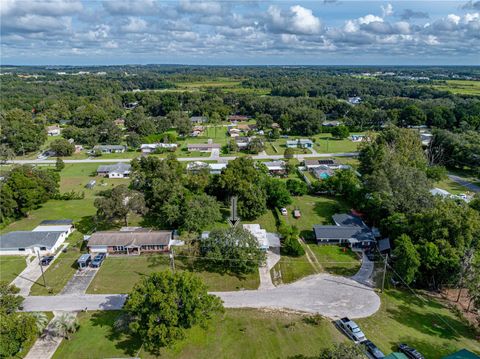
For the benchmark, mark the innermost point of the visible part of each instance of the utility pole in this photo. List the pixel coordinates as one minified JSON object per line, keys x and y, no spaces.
{"x":384,"y":271}
{"x":41,"y":268}
{"x":172,"y":260}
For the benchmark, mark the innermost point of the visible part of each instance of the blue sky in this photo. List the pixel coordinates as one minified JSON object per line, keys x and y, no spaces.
{"x":76,"y":32}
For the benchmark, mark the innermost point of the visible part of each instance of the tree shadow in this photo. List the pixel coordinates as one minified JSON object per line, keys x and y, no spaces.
{"x":90,"y":224}
{"x":344,"y":270}
{"x":427,"y":348}
{"x":409,"y":299}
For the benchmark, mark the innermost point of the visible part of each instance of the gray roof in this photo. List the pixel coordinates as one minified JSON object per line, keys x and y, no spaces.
{"x":342,"y":232}
{"x":384,"y":244}
{"x":56,"y":222}
{"x":117,"y":167}
{"x":203,"y":145}
{"x":133,"y":238}
{"x":27,"y":239}
{"x":109,"y":147}
{"x":344,"y":219}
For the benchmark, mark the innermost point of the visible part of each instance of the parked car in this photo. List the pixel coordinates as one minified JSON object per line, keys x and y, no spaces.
{"x":284,"y":211}
{"x":97,"y":261}
{"x":351,"y":329}
{"x":410,"y":352}
{"x":373,"y":350}
{"x":46,"y":260}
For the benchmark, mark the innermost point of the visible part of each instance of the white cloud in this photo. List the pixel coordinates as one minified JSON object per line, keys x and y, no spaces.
{"x":387,"y":10}
{"x":135,"y":24}
{"x":298,"y":20}
{"x":131,"y":7}
{"x":202,"y":7}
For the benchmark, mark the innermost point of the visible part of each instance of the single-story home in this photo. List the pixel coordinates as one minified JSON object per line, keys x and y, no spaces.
{"x":265,"y":240}
{"x":331,"y":123}
{"x":355,"y":100}
{"x":234,"y":132}
{"x":357,"y":138}
{"x":118,"y":170}
{"x":56,"y":225}
{"x":426,"y":138}
{"x":276,"y":167}
{"x":202,"y":147}
{"x":131,"y":105}
{"x":214,"y":168}
{"x":129,"y":242}
{"x":53,"y":130}
{"x":237,"y":118}
{"x":348,"y":229}
{"x":242,"y":142}
{"x":311,"y":164}
{"x":109,"y":148}
{"x":151,"y":147}
{"x":198,"y":119}
{"x":31,"y":242}
{"x":197,"y":131}
{"x":300,"y":143}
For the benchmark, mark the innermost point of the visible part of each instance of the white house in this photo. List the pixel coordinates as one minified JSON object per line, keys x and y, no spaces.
{"x":36,"y":241}
{"x":118,"y":170}
{"x":53,"y":130}
{"x":151,"y":147}
{"x":109,"y":148}
{"x":357,"y":138}
{"x":265,"y":240}
{"x":300,"y":143}
{"x":56,"y":225}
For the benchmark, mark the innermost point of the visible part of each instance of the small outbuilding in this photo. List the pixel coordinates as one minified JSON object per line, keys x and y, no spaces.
{"x":84,"y":261}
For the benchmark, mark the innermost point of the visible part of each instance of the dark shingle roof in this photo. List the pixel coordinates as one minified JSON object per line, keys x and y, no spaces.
{"x":342,"y":232}
{"x":56,"y":222}
{"x":26,"y":239}
{"x":343,"y":219}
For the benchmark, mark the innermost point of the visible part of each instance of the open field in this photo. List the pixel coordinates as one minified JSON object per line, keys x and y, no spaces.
{"x":463,"y":87}
{"x":11,"y":266}
{"x":239,"y":333}
{"x":291,"y":269}
{"x":426,"y":325}
{"x":119,"y":274}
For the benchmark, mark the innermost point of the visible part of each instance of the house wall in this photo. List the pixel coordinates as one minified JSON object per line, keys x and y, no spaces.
{"x":98,"y":249}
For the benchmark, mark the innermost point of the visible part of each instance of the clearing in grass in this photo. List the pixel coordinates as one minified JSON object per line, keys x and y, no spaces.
{"x":11,"y":267}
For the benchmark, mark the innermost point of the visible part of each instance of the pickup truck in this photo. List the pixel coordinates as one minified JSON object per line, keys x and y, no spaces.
{"x":351,"y":329}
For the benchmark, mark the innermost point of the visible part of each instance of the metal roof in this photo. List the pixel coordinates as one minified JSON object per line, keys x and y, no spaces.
{"x":117,"y":167}
{"x":343,"y":232}
{"x":137,"y":238}
{"x":56,"y":222}
{"x":27,"y":239}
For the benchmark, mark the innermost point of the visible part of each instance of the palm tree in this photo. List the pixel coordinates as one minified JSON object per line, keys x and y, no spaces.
{"x":65,"y":325}
{"x":41,"y":320}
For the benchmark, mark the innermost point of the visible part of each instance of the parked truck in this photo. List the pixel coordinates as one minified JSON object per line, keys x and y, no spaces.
{"x":351,"y":329}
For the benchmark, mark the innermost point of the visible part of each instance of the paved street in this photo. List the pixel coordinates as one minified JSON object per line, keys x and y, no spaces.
{"x":189,"y":159}
{"x":331,"y":296}
{"x":462,"y":181}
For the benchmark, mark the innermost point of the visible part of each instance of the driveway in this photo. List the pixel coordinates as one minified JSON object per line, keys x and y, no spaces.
{"x":364,"y":274}
{"x":80,"y":281}
{"x":31,"y":274}
{"x":462,"y":181}
{"x":264,"y":271}
{"x":328,"y":295}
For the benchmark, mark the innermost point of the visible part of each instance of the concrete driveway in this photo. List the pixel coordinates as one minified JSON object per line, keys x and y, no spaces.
{"x":80,"y":281}
{"x":328,"y":295}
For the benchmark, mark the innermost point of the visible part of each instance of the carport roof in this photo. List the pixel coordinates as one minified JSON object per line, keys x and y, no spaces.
{"x":27,"y":239}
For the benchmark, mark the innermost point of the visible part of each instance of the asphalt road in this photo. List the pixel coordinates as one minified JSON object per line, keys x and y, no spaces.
{"x":188,"y":159}
{"x":462,"y":181}
{"x":328,"y":295}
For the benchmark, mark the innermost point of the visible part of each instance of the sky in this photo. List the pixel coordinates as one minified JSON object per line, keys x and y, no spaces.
{"x":242,"y":32}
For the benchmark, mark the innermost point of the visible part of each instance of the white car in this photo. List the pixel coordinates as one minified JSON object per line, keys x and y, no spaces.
{"x":284,"y":211}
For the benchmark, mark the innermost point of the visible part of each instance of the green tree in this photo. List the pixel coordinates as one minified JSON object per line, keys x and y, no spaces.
{"x":10,"y":301}
{"x":406,"y":258}
{"x":64,"y":326}
{"x":6,"y":153}
{"x":62,"y":147}
{"x":436,"y":173}
{"x":255,"y":146}
{"x":231,"y":250}
{"x":277,"y":193}
{"x":20,"y":132}
{"x":289,"y":153}
{"x":412,"y":116}
{"x":163,"y":305}
{"x":297,"y":187}
{"x":340,"y":132}
{"x":119,"y":202}
{"x":181,"y":122}
{"x":59,"y":164}
{"x":200,"y":211}
{"x":134,"y":140}
{"x":264,"y":120}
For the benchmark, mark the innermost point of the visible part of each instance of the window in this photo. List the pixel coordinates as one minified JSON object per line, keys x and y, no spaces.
{"x":119,"y":248}
{"x":43,"y":248}
{"x":21,"y":249}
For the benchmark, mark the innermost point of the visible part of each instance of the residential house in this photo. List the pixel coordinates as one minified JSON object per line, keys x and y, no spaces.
{"x":234,"y":132}
{"x":131,"y":105}
{"x":213,"y":168}
{"x":120,"y":122}
{"x":246,"y":127}
{"x":118,"y":170}
{"x":242,"y":142}
{"x":357,"y":138}
{"x":300,"y":143}
{"x":237,"y":118}
{"x":132,"y":242}
{"x":331,"y":123}
{"x":217,"y":168}
{"x":426,"y":138}
{"x":197,"y":131}
{"x":78,"y":148}
{"x":276,"y":167}
{"x":348,"y":229}
{"x":312,"y":164}
{"x":54,"y":130}
{"x":45,"y":238}
{"x":355,"y":100}
{"x":62,"y":225}
{"x":109,"y":148}
{"x":265,"y":240}
{"x":198,"y":119}
{"x":202,"y":147}
{"x":147,"y":148}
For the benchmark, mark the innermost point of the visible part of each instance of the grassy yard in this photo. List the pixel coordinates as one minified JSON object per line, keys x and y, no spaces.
{"x":464,"y":87}
{"x":120,"y":273}
{"x":336,"y":260}
{"x":314,"y":210}
{"x":239,"y":333}
{"x":326,"y":144}
{"x":428,"y":326}
{"x":451,"y":186}
{"x":291,"y":269}
{"x":60,"y":271}
{"x":11,"y":266}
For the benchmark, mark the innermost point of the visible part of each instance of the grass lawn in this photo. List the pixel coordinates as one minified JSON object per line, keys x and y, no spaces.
{"x":314,"y":210}
{"x":326,"y":144}
{"x":335,"y":260}
{"x":465,"y":87}
{"x":11,"y":266}
{"x":239,"y":333}
{"x":428,"y":326}
{"x":119,"y":274}
{"x":291,"y":269}
{"x":451,"y":186}
{"x":60,"y":272}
